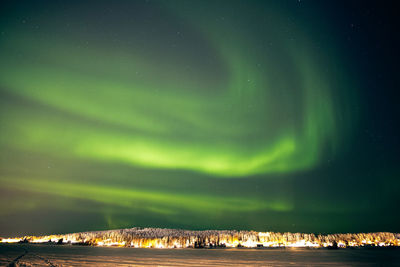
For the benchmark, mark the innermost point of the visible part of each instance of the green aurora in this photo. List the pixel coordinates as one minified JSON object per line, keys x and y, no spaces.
{"x":177,"y":114}
{"x":170,"y":122}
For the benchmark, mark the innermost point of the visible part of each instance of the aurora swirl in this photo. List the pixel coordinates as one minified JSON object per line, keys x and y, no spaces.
{"x":171,"y":121}
{"x":141,"y":107}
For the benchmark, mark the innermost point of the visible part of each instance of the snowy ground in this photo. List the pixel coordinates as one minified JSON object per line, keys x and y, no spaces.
{"x":68,"y":255}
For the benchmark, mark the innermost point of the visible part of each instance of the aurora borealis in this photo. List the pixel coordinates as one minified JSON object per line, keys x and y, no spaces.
{"x":193,"y":114}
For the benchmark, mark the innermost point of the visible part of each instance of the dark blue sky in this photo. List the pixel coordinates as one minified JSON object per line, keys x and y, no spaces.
{"x":258,"y":115}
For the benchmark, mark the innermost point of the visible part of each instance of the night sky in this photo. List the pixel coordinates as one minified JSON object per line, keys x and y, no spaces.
{"x":258,"y":115}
